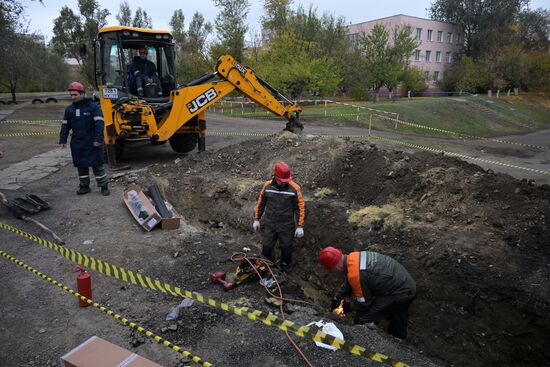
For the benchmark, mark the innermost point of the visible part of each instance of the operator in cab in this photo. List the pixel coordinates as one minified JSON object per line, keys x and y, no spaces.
{"x":142,"y":75}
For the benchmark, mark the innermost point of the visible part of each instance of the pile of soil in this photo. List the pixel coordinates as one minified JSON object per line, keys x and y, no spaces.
{"x":476,"y":242}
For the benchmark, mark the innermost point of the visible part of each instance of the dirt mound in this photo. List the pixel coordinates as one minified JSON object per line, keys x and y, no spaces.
{"x":476,"y":242}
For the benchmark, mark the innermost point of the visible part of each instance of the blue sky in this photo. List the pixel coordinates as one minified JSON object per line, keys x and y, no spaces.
{"x":41,"y":16}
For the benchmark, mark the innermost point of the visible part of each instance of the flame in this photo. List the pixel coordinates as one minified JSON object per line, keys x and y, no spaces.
{"x":339,"y":311}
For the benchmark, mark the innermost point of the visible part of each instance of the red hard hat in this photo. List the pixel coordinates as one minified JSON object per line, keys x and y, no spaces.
{"x":329,"y":257}
{"x":282,"y":172}
{"x":77,"y":87}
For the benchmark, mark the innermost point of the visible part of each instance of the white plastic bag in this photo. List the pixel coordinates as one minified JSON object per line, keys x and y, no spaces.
{"x":327,"y":328}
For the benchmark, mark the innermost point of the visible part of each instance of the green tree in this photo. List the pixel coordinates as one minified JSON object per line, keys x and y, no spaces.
{"x":484,"y":23}
{"x":537,"y":75}
{"x":277,"y":13}
{"x":231,"y":28}
{"x":177,"y":23}
{"x":466,"y":76}
{"x":142,"y":19}
{"x":303,"y":52}
{"x":192,"y":57}
{"x":413,"y":80}
{"x":70,"y":30}
{"x":386,"y":60}
{"x":293,"y":71}
{"x":533,"y":30}
{"x":124,"y":15}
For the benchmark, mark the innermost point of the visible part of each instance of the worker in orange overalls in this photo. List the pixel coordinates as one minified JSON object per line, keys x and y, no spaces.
{"x":283,"y":205}
{"x":382,"y":287}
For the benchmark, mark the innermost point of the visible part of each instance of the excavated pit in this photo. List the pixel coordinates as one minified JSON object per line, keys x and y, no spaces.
{"x":476,"y":242}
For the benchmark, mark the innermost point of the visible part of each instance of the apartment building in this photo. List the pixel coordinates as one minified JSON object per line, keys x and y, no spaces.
{"x":439,"y":41}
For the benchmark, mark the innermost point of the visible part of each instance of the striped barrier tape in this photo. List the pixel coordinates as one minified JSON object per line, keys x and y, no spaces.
{"x":236,"y":133}
{"x":449,"y":132}
{"x":158,"y":339}
{"x":31,"y":122}
{"x":11,"y":135}
{"x":411,"y":145}
{"x":144,"y":281}
{"x":396,"y":141}
{"x":459,"y":155}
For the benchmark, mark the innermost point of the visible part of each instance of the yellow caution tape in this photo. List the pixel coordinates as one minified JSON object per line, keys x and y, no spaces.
{"x":158,"y":339}
{"x":236,"y":133}
{"x":144,"y":281}
{"x":463,"y":135}
{"x":459,"y":155}
{"x":11,"y":135}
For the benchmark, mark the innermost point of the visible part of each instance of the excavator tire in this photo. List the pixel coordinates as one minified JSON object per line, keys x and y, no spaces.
{"x":183,"y":143}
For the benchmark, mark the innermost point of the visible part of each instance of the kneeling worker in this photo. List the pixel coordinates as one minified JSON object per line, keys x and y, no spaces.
{"x":383,"y":288}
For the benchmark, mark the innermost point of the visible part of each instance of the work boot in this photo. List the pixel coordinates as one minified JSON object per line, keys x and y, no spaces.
{"x":105,"y":191}
{"x":83,"y":190}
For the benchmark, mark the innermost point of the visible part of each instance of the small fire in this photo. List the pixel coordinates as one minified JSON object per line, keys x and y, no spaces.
{"x":339,"y":311}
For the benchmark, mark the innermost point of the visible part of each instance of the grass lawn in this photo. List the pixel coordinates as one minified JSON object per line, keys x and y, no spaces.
{"x":470,"y":116}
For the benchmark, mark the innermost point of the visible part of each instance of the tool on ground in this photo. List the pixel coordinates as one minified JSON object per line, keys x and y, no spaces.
{"x":219,"y":277}
{"x":38,"y":201}
{"x":83,"y":284}
{"x":247,"y":270}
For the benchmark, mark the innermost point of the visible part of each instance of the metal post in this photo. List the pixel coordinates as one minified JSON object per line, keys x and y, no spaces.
{"x":397,"y":120}
{"x":242,"y":108}
{"x":357,"y":118}
{"x":325,"y":108}
{"x":370,"y":122}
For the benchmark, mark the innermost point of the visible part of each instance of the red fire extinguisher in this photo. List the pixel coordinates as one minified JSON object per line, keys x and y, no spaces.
{"x":83,"y":284}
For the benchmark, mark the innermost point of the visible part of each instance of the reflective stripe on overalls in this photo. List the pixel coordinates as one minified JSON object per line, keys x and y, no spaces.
{"x":356,"y":262}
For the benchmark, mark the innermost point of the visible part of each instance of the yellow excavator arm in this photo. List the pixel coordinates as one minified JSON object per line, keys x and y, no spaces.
{"x":195,"y":97}
{"x":256,"y":89}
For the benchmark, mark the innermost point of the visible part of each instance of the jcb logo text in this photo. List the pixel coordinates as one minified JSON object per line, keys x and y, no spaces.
{"x":202,"y":100}
{"x":241,"y":69}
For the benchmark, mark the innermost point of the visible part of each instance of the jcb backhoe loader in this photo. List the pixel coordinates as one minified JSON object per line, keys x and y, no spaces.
{"x":169,"y":111}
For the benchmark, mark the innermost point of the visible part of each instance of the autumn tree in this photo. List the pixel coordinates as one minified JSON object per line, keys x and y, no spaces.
{"x":124,"y":16}
{"x":231,"y":28}
{"x":71,"y":29}
{"x":386,"y":58}
{"x":191,"y":48}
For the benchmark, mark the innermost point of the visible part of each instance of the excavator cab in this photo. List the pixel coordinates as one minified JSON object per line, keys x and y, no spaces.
{"x":157,"y":108}
{"x":119,"y":54}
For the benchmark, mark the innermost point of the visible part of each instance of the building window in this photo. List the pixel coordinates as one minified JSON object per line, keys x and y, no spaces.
{"x":416,"y":55}
{"x":439,"y":36}
{"x":430,"y":35}
{"x":428,"y":56}
{"x":353,"y":40}
{"x":438,"y":56}
{"x":418,"y":33}
{"x":427,"y":75}
{"x":449,"y":37}
{"x":436,"y":75}
{"x":448,"y":57}
{"x":457,"y":39}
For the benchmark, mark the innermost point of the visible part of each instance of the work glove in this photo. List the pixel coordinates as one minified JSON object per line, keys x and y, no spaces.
{"x":334,"y":304}
{"x":256,"y":225}
{"x":299,"y":232}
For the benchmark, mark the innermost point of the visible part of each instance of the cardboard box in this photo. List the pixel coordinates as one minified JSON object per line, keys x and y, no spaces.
{"x":153,"y":217}
{"x":171,"y":223}
{"x":96,"y":352}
